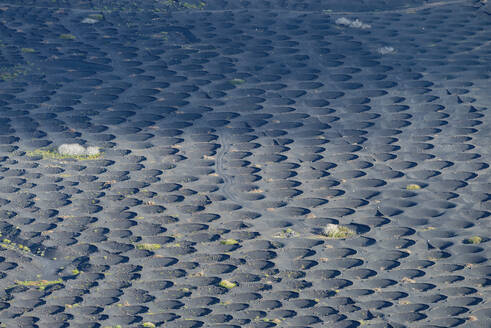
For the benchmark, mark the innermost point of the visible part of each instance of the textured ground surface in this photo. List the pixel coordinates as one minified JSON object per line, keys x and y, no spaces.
{"x":232,"y":133}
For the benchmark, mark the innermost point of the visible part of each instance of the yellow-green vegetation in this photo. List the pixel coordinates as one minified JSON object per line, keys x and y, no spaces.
{"x":229,"y":242}
{"x":10,"y":73}
{"x":24,"y":248}
{"x":148,"y":246}
{"x":8,"y":244}
{"x":75,"y":271}
{"x":237,"y":81}
{"x":188,"y":5}
{"x":337,"y":231}
{"x":54,"y":154}
{"x":286,"y":233}
{"x":413,"y":186}
{"x":289,"y":231}
{"x":149,"y":324}
{"x":67,"y":36}
{"x":28,"y":50}
{"x":227,"y":284}
{"x":41,"y":284}
{"x":96,"y":16}
{"x":474,"y":240}
{"x":162,"y":35}
{"x":71,"y":306}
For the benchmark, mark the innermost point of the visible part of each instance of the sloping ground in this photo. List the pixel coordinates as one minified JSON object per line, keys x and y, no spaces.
{"x":236,"y":137}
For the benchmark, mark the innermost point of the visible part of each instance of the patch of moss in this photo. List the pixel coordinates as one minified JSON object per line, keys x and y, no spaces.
{"x":148,"y":246}
{"x":474,"y":240}
{"x":286,"y":233}
{"x":67,"y":36}
{"x":96,"y":16}
{"x":8,"y":244}
{"x":39,"y":283}
{"x":54,"y":154}
{"x":183,"y":4}
{"x":149,"y":324}
{"x":28,"y":50}
{"x":188,"y":5}
{"x":10,"y":73}
{"x":227,"y":284}
{"x":413,"y":186}
{"x":162,"y":35}
{"x":229,"y":242}
{"x":237,"y":81}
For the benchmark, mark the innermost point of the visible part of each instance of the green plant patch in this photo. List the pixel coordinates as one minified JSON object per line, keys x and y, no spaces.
{"x":96,"y":16}
{"x":38,"y":283}
{"x":148,"y":247}
{"x":189,"y":5}
{"x":227,"y":284}
{"x":229,"y":242}
{"x":67,"y":36}
{"x":237,"y":81}
{"x":474,"y":240}
{"x":183,"y":4}
{"x":413,"y":186}
{"x":8,"y":244}
{"x":337,"y":232}
{"x":10,"y":73}
{"x":286,"y":233}
{"x":28,"y":50}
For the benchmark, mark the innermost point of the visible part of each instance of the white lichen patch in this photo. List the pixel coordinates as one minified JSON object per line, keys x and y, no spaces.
{"x":71,"y":149}
{"x":89,"y":20}
{"x":77,"y":150}
{"x":386,"y":50}
{"x":93,"y":18}
{"x":92,"y":150}
{"x":352,"y":23}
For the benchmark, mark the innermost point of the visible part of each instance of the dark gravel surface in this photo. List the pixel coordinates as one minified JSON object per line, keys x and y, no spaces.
{"x":232,"y":134}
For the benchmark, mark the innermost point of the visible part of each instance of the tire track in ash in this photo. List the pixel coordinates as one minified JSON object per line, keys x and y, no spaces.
{"x":230,"y":181}
{"x":227,"y":178}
